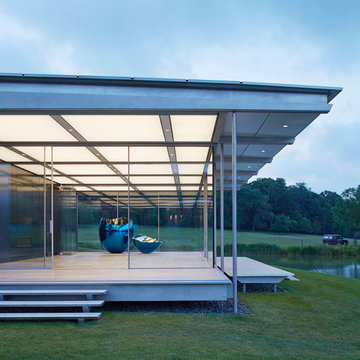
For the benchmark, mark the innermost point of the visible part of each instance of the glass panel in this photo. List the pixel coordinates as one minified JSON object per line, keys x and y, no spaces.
{"x":169,"y":216}
{"x":61,"y":153}
{"x":22,"y":243}
{"x":108,"y":202}
{"x":191,"y":169}
{"x":68,"y":222}
{"x":193,"y":127}
{"x":149,"y":154}
{"x":9,"y":156}
{"x":117,"y":127}
{"x":191,"y":153}
{"x":32,"y":128}
{"x":152,"y":179}
{"x":84,"y":169}
{"x":210,"y":231}
{"x":150,"y":169}
{"x":113,"y":180}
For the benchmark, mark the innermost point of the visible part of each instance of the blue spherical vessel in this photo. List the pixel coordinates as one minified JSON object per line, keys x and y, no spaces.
{"x":114,"y":238}
{"x":144,"y":246}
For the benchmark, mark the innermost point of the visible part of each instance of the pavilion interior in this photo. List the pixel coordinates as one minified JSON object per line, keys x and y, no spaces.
{"x":126,"y":162}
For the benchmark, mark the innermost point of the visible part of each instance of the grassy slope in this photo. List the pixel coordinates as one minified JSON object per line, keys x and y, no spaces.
{"x":191,"y":238}
{"x":316,"y":318}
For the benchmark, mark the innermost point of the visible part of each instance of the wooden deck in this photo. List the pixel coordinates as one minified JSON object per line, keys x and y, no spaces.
{"x":250,"y":271}
{"x":161,"y":276}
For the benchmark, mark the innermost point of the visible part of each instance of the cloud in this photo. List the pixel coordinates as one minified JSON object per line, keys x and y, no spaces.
{"x":16,"y":34}
{"x":49,"y":55}
{"x":267,"y":43}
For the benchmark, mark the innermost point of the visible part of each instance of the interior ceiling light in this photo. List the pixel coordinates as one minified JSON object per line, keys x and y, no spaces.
{"x":285,"y":126}
{"x":249,"y":167}
{"x":263,"y":151}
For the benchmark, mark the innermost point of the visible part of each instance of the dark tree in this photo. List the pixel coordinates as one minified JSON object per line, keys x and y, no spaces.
{"x":348,"y":210}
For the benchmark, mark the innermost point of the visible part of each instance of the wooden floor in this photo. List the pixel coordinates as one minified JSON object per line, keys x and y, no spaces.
{"x":101,"y":266}
{"x":161,"y":276}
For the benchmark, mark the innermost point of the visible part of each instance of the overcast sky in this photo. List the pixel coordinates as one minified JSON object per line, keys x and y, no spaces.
{"x":308,"y":42}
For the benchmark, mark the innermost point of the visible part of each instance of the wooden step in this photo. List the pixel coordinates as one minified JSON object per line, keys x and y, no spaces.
{"x":80,"y":316}
{"x":55,"y":303}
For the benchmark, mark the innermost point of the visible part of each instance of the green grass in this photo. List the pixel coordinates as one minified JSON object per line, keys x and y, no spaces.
{"x":191,"y":238}
{"x":316,"y":318}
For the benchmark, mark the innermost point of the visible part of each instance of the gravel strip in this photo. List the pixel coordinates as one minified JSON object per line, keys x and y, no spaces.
{"x":196,"y":307}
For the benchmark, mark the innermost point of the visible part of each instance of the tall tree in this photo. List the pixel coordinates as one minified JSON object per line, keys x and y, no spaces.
{"x":348,"y":210}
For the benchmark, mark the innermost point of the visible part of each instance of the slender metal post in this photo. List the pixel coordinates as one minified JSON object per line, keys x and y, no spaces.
{"x":52,"y":207}
{"x":234,"y":214}
{"x":77,"y":222}
{"x":128,"y":207}
{"x":206,"y":217}
{"x":214,"y":209}
{"x":45,"y":222}
{"x":117,"y":204}
{"x":222,"y":206}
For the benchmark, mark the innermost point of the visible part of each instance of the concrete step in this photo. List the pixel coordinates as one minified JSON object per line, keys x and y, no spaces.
{"x":54,"y":292}
{"x":80,"y":316}
{"x":55,"y":303}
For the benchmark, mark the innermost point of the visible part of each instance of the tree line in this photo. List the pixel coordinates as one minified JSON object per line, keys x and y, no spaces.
{"x":262,"y":205}
{"x":270,"y":205}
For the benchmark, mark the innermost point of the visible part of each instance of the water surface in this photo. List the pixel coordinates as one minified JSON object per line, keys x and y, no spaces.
{"x":342,"y":266}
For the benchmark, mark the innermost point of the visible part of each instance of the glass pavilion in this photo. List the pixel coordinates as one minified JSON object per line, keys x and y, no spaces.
{"x":154,"y":149}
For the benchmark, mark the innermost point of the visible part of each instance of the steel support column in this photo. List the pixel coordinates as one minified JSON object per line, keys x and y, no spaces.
{"x":52,"y":208}
{"x":214,"y":209}
{"x":206,"y":217}
{"x":222,"y":206}
{"x":117,"y":204}
{"x":234,"y":214}
{"x":128,"y":207}
{"x":44,"y":214}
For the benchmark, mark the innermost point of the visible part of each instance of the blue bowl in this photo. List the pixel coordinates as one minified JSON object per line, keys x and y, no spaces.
{"x":146,"y":247}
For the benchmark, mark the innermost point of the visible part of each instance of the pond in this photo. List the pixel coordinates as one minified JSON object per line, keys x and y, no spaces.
{"x":342,"y":266}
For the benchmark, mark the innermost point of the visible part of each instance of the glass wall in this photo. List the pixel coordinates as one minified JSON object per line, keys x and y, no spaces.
{"x":168,"y":210}
{"x":68,"y":221}
{"x":22,"y":241}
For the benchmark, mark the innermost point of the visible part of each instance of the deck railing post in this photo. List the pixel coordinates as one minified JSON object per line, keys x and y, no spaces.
{"x":234,"y":214}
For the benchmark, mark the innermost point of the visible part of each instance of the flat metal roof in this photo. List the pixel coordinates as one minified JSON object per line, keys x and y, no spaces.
{"x":173,"y":125}
{"x":331,"y":92}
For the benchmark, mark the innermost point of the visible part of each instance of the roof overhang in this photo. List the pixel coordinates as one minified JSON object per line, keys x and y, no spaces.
{"x":187,"y":119}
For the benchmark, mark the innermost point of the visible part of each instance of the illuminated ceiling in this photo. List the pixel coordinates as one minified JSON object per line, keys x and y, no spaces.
{"x":155,"y":134}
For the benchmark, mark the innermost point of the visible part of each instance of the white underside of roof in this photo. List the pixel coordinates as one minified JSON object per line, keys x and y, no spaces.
{"x":267,"y":121}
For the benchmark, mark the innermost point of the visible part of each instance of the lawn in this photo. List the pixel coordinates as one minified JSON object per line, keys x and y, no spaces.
{"x":316,"y":318}
{"x":177,"y":238}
